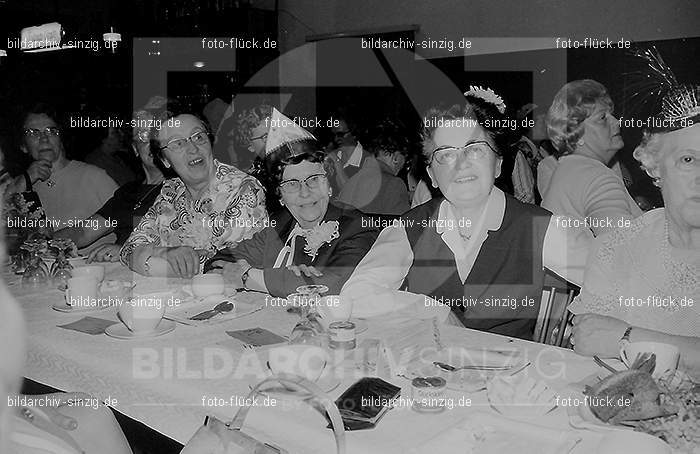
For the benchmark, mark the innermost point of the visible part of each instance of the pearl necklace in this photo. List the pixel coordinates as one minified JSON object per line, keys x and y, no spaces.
{"x":679,"y":278}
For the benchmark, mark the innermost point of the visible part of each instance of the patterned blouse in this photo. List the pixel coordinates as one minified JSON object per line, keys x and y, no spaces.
{"x":635,"y":275}
{"x":232,"y":209}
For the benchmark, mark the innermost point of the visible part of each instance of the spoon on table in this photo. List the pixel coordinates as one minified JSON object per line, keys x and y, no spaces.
{"x":224,"y":306}
{"x":449,"y":368}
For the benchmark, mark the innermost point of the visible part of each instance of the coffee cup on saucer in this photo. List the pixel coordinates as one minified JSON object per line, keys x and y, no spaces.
{"x":207,"y":284}
{"x":667,"y":355}
{"x":142,"y":313}
{"x":96,"y":271}
{"x":81,"y":291}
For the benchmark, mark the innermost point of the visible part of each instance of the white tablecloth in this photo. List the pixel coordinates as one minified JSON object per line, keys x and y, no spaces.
{"x":163,"y":381}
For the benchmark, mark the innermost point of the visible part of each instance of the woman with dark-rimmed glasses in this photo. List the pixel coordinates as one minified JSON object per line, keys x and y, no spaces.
{"x":310,"y":241}
{"x":476,"y":249}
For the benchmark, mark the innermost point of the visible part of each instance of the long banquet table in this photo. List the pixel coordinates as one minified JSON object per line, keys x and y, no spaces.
{"x":163,"y":381}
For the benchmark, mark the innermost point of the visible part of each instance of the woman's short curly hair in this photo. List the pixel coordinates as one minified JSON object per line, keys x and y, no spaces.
{"x":648,"y":152}
{"x":574,"y":102}
{"x":249,"y":119}
{"x":483,"y":112}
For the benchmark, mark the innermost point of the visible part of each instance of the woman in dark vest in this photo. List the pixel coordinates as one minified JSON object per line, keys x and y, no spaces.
{"x":476,"y":249}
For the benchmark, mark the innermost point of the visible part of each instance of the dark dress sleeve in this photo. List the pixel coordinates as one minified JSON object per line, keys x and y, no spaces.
{"x":336,"y":265}
{"x":252,"y":250}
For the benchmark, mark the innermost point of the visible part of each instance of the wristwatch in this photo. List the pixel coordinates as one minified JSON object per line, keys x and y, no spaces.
{"x":245,"y":276}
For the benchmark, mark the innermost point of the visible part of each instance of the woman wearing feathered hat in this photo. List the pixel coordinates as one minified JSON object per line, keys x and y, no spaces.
{"x":312,"y":241}
{"x":475,"y":249}
{"x":643,"y":283}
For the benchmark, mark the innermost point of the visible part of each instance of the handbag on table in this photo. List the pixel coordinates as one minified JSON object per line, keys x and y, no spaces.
{"x":217,"y":437}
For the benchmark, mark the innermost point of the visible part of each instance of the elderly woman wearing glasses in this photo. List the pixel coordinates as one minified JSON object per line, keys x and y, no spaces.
{"x":643,"y":282}
{"x":210,"y":206}
{"x":475,"y":249}
{"x":130,"y":202}
{"x":68,"y":189}
{"x":311,"y":241}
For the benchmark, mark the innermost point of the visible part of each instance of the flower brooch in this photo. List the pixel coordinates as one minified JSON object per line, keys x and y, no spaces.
{"x":320,"y":235}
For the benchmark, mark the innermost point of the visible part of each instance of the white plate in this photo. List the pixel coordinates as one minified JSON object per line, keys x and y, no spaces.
{"x":183,"y":314}
{"x":120,"y":331}
{"x":581,"y":417}
{"x":117,"y":296}
{"x":520,"y":397}
{"x":466,"y":380}
{"x":76,"y":309}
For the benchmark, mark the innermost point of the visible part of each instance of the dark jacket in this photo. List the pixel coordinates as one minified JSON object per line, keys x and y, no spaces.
{"x":336,"y":260}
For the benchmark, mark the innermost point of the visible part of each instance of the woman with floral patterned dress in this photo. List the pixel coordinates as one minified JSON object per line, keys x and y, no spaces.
{"x":209,"y":207}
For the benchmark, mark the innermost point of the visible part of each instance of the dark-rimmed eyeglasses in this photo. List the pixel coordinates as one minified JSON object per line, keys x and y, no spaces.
{"x":179,"y":145}
{"x":293,"y":186}
{"x":262,"y":137}
{"x":473,"y":151}
{"x":35,"y":134}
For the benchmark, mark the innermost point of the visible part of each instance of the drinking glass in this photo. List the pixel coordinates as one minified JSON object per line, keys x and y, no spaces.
{"x":35,"y":272}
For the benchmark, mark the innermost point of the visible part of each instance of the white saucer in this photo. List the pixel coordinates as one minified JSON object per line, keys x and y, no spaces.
{"x":360,"y":325}
{"x":120,"y":331}
{"x":75,"y":309}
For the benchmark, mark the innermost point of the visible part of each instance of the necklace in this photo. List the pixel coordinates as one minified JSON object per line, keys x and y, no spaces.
{"x":465,"y":237}
{"x":140,"y":202}
{"x":678,"y":278}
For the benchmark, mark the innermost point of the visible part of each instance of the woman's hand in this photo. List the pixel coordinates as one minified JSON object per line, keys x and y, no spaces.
{"x":309,"y":271}
{"x":232,"y":271}
{"x":183,"y":260}
{"x":53,"y":402}
{"x":594,"y":334}
{"x":104,"y":253}
{"x":39,"y":170}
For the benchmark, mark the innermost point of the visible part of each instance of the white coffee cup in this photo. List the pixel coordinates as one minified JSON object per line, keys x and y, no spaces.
{"x":308,"y":361}
{"x":142,"y":313}
{"x":207,"y":284}
{"x":333,"y":308}
{"x":81,"y":290}
{"x":96,"y":271}
{"x":667,"y":355}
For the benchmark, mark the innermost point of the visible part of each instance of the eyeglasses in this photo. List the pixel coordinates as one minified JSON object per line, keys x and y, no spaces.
{"x":472,"y":151}
{"x":261,"y":137}
{"x":35,"y":134}
{"x":341,"y":133}
{"x":179,"y":145}
{"x":293,"y":186}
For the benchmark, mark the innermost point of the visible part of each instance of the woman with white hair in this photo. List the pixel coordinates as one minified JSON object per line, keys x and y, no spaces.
{"x":587,"y":136}
{"x":643,"y":283}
